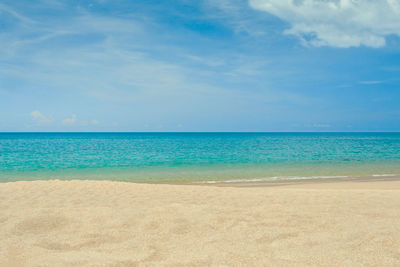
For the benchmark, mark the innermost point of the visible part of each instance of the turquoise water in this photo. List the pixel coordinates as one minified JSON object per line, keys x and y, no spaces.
{"x":196,"y":157}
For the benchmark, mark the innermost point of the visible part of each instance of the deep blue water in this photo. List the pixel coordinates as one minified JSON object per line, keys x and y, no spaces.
{"x":155,"y":157}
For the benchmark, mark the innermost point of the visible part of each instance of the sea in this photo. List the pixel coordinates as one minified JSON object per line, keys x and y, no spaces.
{"x":197,"y":157}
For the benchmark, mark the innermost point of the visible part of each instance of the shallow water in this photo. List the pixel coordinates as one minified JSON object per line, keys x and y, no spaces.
{"x":187,"y":157}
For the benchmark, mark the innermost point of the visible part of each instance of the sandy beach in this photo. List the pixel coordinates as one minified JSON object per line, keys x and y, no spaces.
{"x":102,"y":223}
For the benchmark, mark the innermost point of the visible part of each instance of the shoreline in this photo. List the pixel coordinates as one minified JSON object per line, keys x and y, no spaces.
{"x":334,"y":183}
{"x":297,"y":182}
{"x":251,"y":182}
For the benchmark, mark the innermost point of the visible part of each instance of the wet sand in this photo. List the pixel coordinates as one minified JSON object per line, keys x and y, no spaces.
{"x":101,"y":223}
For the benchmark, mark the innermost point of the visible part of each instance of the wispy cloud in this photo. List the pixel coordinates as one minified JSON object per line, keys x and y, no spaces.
{"x":15,"y":14}
{"x":371,"y":82}
{"x":237,"y":15}
{"x":112,"y":69}
{"x":321,"y":125}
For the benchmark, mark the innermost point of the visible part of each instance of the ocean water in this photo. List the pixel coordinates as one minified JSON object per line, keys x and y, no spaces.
{"x":197,"y":157}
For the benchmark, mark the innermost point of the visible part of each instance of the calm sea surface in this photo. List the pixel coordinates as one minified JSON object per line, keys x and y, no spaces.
{"x":196,"y":157}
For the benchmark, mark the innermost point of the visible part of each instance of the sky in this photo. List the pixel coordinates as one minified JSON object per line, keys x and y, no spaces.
{"x":205,"y":65}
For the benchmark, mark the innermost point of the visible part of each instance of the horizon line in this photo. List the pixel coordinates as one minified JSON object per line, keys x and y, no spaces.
{"x":8,"y":132}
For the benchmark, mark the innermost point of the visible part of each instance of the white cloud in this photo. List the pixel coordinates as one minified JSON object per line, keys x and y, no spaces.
{"x":39,"y":118}
{"x":69,"y":121}
{"x":95,"y":122}
{"x":338,"y":23}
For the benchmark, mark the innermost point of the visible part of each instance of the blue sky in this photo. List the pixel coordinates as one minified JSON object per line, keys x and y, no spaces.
{"x":228,"y":65}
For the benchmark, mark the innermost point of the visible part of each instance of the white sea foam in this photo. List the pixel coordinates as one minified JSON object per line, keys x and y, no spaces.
{"x":267,"y":179}
{"x":383,"y":175}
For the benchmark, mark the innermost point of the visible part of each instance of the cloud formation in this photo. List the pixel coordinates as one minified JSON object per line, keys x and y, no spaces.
{"x":337,"y":23}
{"x":39,"y":118}
{"x":69,"y":121}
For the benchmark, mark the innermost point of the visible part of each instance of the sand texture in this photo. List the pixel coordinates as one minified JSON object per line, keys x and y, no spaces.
{"x":101,"y":223}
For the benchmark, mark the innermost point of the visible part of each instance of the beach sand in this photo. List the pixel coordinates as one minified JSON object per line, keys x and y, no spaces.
{"x":102,"y":223}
